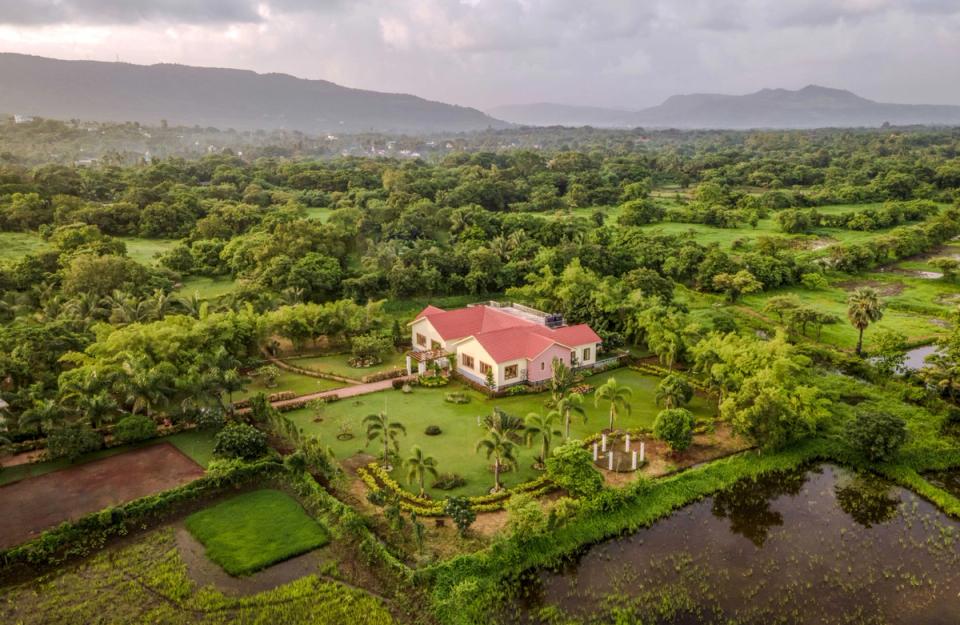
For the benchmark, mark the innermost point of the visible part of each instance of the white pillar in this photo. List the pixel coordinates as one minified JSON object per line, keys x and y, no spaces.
{"x":610,"y":460}
{"x":596,"y":453}
{"x":633,"y":461}
{"x":626,"y":443}
{"x":603,"y":439}
{"x":421,"y":367}
{"x":642,"y":452}
{"x":409,"y":365}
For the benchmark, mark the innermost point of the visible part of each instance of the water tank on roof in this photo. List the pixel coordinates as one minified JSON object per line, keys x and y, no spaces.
{"x":553,"y":321}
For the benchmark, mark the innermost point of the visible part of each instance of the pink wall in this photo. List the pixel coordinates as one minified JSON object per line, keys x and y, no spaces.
{"x":534,"y":374}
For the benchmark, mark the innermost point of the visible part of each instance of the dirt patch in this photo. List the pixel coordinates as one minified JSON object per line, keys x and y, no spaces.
{"x":813,"y":245}
{"x":33,"y":505}
{"x":661,"y":461}
{"x":356,"y":461}
{"x":886,"y":289}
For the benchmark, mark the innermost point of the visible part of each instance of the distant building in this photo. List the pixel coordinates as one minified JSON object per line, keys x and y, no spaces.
{"x":22,"y":119}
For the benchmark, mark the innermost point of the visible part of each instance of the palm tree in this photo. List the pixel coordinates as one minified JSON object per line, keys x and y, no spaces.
{"x":418,"y":466}
{"x":42,"y":414}
{"x":564,"y":409}
{"x":96,"y":407}
{"x":501,"y":448}
{"x":146,"y":386}
{"x":539,"y":426}
{"x":863,"y":308}
{"x":504,"y":423}
{"x":380,"y":426}
{"x":618,"y":396}
{"x":561,"y":379}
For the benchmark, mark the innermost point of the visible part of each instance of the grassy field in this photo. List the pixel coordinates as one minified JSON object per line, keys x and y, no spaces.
{"x":252,"y":531}
{"x":902,"y":295}
{"x":15,"y":245}
{"x":454,"y":448}
{"x":337,"y":364}
{"x":288,"y":381}
{"x":319,"y":212}
{"x":145,"y":251}
{"x":208,"y":288}
{"x":198,"y":445}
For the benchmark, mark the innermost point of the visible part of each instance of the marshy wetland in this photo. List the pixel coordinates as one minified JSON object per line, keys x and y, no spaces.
{"x":818,"y":545}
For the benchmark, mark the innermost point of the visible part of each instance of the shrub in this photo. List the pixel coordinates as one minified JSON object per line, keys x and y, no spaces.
{"x":209,"y":419}
{"x":458,"y":508}
{"x":674,"y":426}
{"x":368,"y":348}
{"x":449,"y":481}
{"x":72,"y":441}
{"x":239,"y":440}
{"x":571,"y":468}
{"x":457,"y":398}
{"x":525,"y":519}
{"x":432,"y":381}
{"x":876,"y":435}
{"x":135,"y":428}
{"x":398,"y":384}
{"x":563,"y":509}
{"x":433,"y":430}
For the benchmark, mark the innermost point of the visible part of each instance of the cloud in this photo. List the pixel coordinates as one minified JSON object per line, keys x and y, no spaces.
{"x":622,"y":53}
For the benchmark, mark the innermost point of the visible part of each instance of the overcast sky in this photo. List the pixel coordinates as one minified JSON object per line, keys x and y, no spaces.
{"x":620,"y":53}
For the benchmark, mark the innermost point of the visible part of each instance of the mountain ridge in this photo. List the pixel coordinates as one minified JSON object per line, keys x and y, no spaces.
{"x":221,"y":97}
{"x":812,"y":106}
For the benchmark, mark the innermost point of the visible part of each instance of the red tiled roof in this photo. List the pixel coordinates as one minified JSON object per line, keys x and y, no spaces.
{"x":463,"y":322}
{"x":503,"y":335}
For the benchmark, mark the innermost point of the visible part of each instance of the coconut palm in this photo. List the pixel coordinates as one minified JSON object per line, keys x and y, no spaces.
{"x":418,"y":466}
{"x":616,"y":395}
{"x":863,"y":308}
{"x":541,"y":427}
{"x":499,"y":447}
{"x":566,"y":407}
{"x":97,"y":408}
{"x":380,"y":426}
{"x":561,"y":379}
{"x":43,"y":414}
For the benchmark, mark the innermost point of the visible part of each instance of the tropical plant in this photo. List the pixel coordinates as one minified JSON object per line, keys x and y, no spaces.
{"x":877,"y":435}
{"x":673,"y":391}
{"x":379,"y":426}
{"x":501,"y":449}
{"x":571,"y":468}
{"x":418,"y":466}
{"x":135,"y":428}
{"x":561,"y":379}
{"x":541,"y":427}
{"x":674,"y":426}
{"x":565,"y":408}
{"x":504,"y":423}
{"x":616,"y":395}
{"x":239,"y":440}
{"x":863,"y":308}
{"x":463,"y":515}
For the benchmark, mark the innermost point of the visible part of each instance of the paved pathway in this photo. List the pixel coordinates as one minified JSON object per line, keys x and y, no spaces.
{"x":343,"y":393}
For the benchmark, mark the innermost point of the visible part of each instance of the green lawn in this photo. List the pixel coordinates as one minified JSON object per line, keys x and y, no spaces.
{"x":288,"y":381}
{"x":454,"y":448}
{"x":337,"y":364}
{"x":144,"y":251}
{"x":208,"y":288}
{"x":198,"y":445}
{"x":319,"y":212}
{"x":252,"y":531}
{"x":15,"y":245}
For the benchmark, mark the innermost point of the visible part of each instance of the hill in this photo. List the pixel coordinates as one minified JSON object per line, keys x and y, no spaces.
{"x":225,"y":98}
{"x":809,"y":107}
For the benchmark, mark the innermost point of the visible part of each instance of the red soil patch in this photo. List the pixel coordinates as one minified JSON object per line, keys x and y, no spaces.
{"x":33,"y":505}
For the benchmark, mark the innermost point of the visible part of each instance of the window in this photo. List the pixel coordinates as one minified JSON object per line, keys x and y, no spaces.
{"x":467,"y":361}
{"x":543,"y":365}
{"x":510,"y":372}
{"x":421,"y":339}
{"x":434,"y":345}
{"x":484,"y":367}
{"x":586,"y":354}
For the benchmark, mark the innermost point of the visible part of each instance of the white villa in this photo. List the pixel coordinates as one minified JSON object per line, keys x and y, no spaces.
{"x":514,"y":343}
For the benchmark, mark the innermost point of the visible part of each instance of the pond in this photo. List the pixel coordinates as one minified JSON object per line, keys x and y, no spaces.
{"x":813,"y":546}
{"x":916,"y":357}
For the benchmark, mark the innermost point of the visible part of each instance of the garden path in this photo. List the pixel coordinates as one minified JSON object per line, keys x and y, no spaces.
{"x":343,"y":393}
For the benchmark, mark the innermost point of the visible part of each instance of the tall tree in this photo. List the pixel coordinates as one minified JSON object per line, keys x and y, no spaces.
{"x":541,"y":427}
{"x":380,"y":426}
{"x":863,"y":308}
{"x":418,"y":466}
{"x":501,"y":449}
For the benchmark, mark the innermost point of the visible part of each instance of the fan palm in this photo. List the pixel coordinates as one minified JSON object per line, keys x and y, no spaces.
{"x":380,"y":426}
{"x":863,"y":308}
{"x":616,"y":395}
{"x":418,"y":466}
{"x":499,"y":447}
